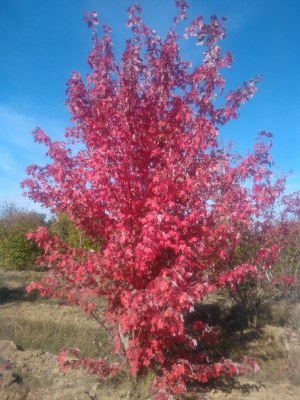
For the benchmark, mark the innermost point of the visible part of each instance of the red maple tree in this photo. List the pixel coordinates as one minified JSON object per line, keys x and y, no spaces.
{"x":169,"y":202}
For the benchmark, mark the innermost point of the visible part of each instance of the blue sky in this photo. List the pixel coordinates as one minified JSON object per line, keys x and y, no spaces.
{"x":43,"y":41}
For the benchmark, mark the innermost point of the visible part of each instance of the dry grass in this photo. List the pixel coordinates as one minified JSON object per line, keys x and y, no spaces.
{"x":34,"y":323}
{"x":50,"y":327}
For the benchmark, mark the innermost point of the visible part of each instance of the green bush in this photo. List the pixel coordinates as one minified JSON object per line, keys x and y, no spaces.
{"x":63,"y":227}
{"x":16,"y":252}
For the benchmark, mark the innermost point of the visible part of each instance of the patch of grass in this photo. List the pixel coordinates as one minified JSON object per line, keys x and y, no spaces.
{"x":13,"y":284}
{"x":43,"y":324}
{"x":19,"y":278}
{"x":17,"y":375}
{"x":281,"y":313}
{"x":51,"y":336}
{"x":29,"y":379}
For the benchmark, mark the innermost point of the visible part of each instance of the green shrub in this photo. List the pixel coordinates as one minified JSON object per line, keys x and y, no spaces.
{"x":63,"y":227}
{"x":16,"y":252}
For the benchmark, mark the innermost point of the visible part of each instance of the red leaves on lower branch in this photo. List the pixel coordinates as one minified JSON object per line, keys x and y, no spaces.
{"x":101,"y":367}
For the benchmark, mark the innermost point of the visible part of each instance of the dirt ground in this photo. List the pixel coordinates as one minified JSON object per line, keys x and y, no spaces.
{"x":32,"y":331}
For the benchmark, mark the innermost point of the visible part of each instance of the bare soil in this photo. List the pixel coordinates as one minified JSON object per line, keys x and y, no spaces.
{"x":32,"y":331}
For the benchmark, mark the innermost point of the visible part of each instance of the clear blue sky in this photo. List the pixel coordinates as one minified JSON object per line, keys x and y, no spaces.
{"x":42,"y":41}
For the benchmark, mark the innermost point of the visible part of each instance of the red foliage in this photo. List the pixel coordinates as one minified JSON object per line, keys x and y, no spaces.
{"x":169,"y":202}
{"x":96,"y":367}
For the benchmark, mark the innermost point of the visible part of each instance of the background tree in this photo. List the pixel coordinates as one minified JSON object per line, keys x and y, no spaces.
{"x":16,"y":251}
{"x":168,"y":200}
{"x":66,"y":230}
{"x":273,"y":245}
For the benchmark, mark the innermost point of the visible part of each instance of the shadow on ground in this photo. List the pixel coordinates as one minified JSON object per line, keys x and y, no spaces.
{"x":11,"y":294}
